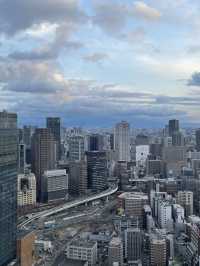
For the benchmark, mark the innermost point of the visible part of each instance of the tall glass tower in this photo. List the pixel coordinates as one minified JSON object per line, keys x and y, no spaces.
{"x":8,"y":186}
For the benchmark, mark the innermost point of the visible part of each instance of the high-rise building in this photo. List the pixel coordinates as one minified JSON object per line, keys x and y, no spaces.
{"x":83,"y":250}
{"x":78,"y":178}
{"x":43,"y":154}
{"x":173,"y":126}
{"x":95,"y":142}
{"x":158,"y":252}
{"x":21,"y":158}
{"x":8,"y":186}
{"x":177,"y":139}
{"x":115,"y":251}
{"x":53,"y":123}
{"x":54,"y":185}
{"x":197,"y":134}
{"x":26,"y":194}
{"x":122,"y":141}
{"x":185,"y":199}
{"x":133,"y":204}
{"x":76,"y":148}
{"x":133,"y":245}
{"x":25,"y":247}
{"x":97,"y":170}
{"x":164,"y":213}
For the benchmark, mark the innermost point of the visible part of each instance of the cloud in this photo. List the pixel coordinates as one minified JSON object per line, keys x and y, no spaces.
{"x":27,"y":77}
{"x":194,"y":80}
{"x":146,"y":12}
{"x":20,"y":15}
{"x":96,"y":57}
{"x":62,"y":40}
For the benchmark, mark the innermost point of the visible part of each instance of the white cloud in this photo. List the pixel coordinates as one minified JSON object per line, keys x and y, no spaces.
{"x":146,"y":12}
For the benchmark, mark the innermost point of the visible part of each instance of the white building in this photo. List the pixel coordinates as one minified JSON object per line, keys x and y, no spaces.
{"x":122,"y":141}
{"x":26,"y":192}
{"x":83,"y":250}
{"x":178,"y":213}
{"x":54,"y":185}
{"x":185,"y":199}
{"x":164,"y":214}
{"x":142,"y":152}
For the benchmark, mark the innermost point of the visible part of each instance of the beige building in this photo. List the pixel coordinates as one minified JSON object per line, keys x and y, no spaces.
{"x":26,"y":192}
{"x":25,"y":248}
{"x":185,"y":199}
{"x":158,"y":251}
{"x":115,"y":251}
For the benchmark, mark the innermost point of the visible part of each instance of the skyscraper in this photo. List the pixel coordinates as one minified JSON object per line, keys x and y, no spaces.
{"x":115,"y":251}
{"x":8,"y":186}
{"x":133,"y":245}
{"x":95,"y":142}
{"x":173,"y":126}
{"x":76,"y":148}
{"x":53,"y":123}
{"x":122,"y":141}
{"x":97,"y":170}
{"x":197,"y":134}
{"x":44,"y":151}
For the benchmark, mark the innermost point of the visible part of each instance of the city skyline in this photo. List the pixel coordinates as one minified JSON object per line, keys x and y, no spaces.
{"x":100,"y":62}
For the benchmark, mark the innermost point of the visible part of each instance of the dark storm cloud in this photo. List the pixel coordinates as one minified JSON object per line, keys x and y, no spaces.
{"x":19,"y":15}
{"x":194,"y":80}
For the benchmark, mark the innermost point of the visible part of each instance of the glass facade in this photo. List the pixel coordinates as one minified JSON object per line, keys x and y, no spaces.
{"x":8,"y":186}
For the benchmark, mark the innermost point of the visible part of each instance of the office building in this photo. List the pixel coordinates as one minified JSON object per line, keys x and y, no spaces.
{"x":76,"y":148}
{"x":173,"y":126}
{"x":158,"y":252}
{"x":141,"y":140}
{"x":83,"y":250}
{"x":177,"y":139}
{"x":54,"y":185}
{"x":185,"y":199}
{"x":26,"y":193}
{"x":115,"y":251}
{"x":133,"y":204}
{"x":97,"y":170}
{"x":154,"y":167}
{"x":78,"y":178}
{"x":164,"y":214}
{"x":95,"y":142}
{"x":25,"y":247}
{"x":43,"y":154}
{"x":197,"y":135}
{"x":21,"y":158}
{"x":122,"y":141}
{"x":53,"y":124}
{"x":8,"y":186}
{"x":133,"y":245}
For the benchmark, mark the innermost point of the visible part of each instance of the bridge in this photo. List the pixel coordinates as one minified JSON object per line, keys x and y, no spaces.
{"x":69,"y":205}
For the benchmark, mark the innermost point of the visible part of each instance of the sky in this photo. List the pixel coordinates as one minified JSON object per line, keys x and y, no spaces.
{"x":96,"y":62}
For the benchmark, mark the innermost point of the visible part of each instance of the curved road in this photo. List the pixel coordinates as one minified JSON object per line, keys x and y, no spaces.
{"x":69,"y":205}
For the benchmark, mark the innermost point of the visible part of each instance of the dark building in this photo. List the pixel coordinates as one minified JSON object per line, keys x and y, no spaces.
{"x":173,"y":126}
{"x":142,"y":140}
{"x":53,"y":123}
{"x":8,"y":186}
{"x":21,"y":158}
{"x":177,"y":139}
{"x":95,"y":142}
{"x":197,"y":133}
{"x":156,"y":150}
{"x":78,"y":178}
{"x":97,"y":170}
{"x":43,"y":154}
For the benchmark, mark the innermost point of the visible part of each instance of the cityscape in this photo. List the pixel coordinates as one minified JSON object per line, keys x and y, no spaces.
{"x":119,"y":197}
{"x":99,"y":133}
